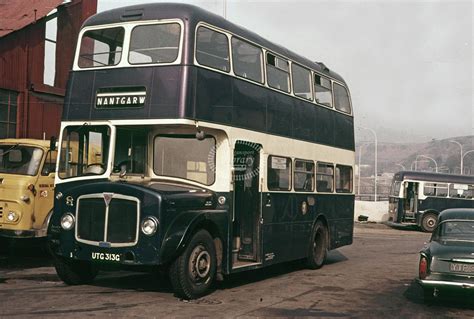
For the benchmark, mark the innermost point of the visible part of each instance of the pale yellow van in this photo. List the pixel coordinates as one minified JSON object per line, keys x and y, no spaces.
{"x":26,"y":186}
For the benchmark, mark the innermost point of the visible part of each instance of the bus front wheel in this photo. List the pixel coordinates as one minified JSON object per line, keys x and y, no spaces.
{"x":74,"y":272}
{"x":318,"y":246}
{"x":194,"y":271}
{"x":428,"y":222}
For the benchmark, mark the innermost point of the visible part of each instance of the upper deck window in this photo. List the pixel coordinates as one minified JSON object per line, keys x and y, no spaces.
{"x":101,"y":48}
{"x":247,"y":60}
{"x":278,"y":75}
{"x":212,"y":49}
{"x":323,"y":90}
{"x":301,"y":82}
{"x":157,"y":43}
{"x":341,"y":98}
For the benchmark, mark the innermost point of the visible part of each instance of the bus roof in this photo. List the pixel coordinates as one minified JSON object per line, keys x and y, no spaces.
{"x":194,"y":14}
{"x":433,"y":177}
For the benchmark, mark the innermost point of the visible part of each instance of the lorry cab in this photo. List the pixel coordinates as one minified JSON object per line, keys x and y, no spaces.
{"x":26,"y":187}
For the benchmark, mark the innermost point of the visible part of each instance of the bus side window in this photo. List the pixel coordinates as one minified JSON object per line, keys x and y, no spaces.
{"x":49,"y":163}
{"x":325,"y":178}
{"x":323,"y":90}
{"x":343,"y":179}
{"x":212,"y":49}
{"x":278,"y":75}
{"x":341,"y":98}
{"x":278,"y":173}
{"x":247,"y":60}
{"x":304,"y":176}
{"x":301,"y":81}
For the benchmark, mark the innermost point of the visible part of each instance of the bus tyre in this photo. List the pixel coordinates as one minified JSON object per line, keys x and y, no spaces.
{"x":318,"y":247}
{"x":428,"y":222}
{"x":194,"y":271}
{"x":74,"y":272}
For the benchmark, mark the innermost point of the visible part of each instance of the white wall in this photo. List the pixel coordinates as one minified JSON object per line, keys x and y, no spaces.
{"x":376,"y":211}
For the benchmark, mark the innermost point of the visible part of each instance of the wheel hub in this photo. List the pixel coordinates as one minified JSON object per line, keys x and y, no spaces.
{"x":200,"y":263}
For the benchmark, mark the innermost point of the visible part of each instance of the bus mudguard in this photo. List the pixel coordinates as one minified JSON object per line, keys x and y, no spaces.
{"x":181,"y":230}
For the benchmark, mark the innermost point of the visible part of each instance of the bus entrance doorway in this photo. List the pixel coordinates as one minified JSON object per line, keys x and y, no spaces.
{"x":247,"y":208}
{"x":411,"y":201}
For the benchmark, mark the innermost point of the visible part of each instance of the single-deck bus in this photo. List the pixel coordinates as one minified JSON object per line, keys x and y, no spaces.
{"x":190,"y":143}
{"x":416,"y":198}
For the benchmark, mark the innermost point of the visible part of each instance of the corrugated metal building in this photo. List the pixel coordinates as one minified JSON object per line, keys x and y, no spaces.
{"x":37,"y":41}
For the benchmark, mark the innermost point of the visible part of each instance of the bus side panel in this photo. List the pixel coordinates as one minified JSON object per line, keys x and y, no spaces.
{"x":227,"y":100}
{"x":276,"y":231}
{"x":344,"y":220}
{"x":433,"y":203}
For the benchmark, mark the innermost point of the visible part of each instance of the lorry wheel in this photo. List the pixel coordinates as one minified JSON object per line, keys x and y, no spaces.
{"x":74,"y":272}
{"x":194,"y":271}
{"x":318,"y":247}
{"x":428,"y":222}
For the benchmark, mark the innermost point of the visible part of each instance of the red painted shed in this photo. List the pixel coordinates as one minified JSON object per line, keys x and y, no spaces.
{"x":29,"y":107}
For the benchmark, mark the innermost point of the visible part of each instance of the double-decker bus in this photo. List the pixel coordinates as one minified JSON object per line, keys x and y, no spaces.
{"x":416,"y":198}
{"x":190,"y":143}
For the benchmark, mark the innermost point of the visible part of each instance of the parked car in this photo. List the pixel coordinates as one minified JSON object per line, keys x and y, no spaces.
{"x":447,"y":261}
{"x":26,"y":186}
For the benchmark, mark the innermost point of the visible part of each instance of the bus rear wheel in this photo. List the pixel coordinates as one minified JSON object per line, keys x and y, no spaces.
{"x":428,"y":222}
{"x":193,"y":272}
{"x":318,"y":246}
{"x":74,"y":272}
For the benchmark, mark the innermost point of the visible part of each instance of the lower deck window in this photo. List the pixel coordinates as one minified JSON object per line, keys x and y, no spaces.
{"x":304,"y":176}
{"x":279,"y":173}
{"x":435,"y":189}
{"x":184,"y":156}
{"x":461,"y":191}
{"x":325,"y":178}
{"x":343,"y":179}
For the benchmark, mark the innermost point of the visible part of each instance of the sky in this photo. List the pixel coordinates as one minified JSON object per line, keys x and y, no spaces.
{"x":408,"y":64}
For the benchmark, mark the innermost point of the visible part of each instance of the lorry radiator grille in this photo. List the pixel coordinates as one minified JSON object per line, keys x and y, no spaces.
{"x":115,"y":224}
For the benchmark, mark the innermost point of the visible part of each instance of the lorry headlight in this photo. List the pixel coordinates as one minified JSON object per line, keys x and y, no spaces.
{"x":67,"y":221}
{"x":25,"y":198}
{"x":12,"y":216}
{"x":149,"y":225}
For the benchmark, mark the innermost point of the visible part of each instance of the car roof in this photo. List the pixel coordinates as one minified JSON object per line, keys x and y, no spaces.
{"x":456,"y":213}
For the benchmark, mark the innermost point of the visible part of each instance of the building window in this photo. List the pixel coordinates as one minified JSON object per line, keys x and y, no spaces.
{"x":304,"y":176}
{"x":278,"y":75}
{"x":212,"y":49}
{"x":279,"y":173}
{"x":343,"y":179}
{"x":301,"y":82}
{"x":247,"y":60}
{"x":341,"y":98}
{"x":323,"y":90}
{"x":8,"y":109}
{"x":325,"y":178}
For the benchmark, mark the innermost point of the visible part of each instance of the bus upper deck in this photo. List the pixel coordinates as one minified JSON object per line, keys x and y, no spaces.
{"x":205,"y":68}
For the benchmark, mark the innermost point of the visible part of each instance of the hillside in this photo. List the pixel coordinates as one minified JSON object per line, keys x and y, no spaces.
{"x":392,"y":157}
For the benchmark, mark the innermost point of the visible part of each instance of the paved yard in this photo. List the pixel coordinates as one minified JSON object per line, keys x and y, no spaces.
{"x":371,"y":278}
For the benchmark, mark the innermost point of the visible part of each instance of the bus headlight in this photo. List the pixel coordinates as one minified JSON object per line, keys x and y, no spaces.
{"x":67,"y":221}
{"x":12,"y":216}
{"x":149,"y":225}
